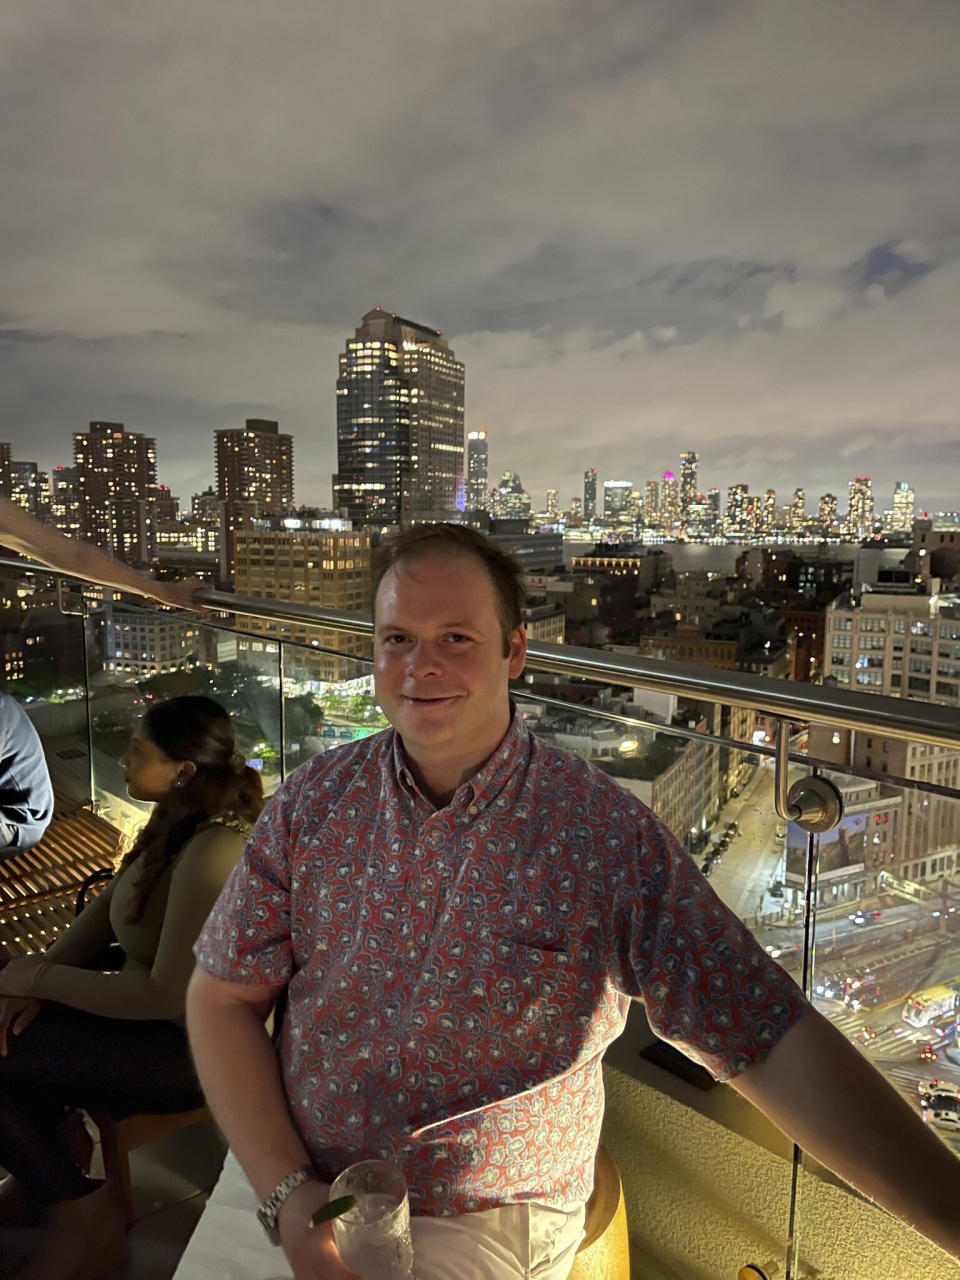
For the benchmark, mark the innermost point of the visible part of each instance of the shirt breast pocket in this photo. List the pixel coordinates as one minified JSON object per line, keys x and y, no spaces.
{"x":536,"y":990}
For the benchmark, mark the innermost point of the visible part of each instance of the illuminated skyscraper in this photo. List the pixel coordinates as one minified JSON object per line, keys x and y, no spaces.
{"x":509,"y":501}
{"x":115,"y":469}
{"x":904,"y":500}
{"x":798,"y":511}
{"x":716,"y":524}
{"x":827,"y":511}
{"x":737,"y":519}
{"x":576,"y":509}
{"x":400,"y":446}
{"x":589,"y":493}
{"x":651,"y":504}
{"x":616,"y":500}
{"x":669,"y":502}
{"x":689,"y":463}
{"x":553,"y":502}
{"x":255,"y":465}
{"x":767,"y":512}
{"x":477,"y":478}
{"x":860,"y":517}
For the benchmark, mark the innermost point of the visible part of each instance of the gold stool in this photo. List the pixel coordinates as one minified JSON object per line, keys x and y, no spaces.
{"x":604,"y":1252}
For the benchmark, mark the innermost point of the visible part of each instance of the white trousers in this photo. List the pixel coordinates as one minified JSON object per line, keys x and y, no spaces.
{"x":516,"y":1242}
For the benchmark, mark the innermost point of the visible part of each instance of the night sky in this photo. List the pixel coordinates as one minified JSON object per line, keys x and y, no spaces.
{"x":644,"y":226}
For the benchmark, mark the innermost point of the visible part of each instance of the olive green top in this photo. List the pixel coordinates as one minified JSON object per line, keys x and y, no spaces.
{"x":158,"y":948}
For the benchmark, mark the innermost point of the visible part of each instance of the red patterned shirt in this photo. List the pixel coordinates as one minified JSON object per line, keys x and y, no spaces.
{"x":455,"y":975}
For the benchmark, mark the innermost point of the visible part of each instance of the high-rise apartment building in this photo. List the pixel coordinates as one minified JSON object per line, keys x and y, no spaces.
{"x":28,"y":486}
{"x":689,"y":464}
{"x":670,"y":516}
{"x":713,"y":501}
{"x":589,"y":493}
{"x":553,"y":503}
{"x":576,"y":509}
{"x":651,"y":504}
{"x":616,"y":500}
{"x":115,"y":470}
{"x":737,"y":519}
{"x":827,"y":512}
{"x":255,"y":465}
{"x":902,"y":646}
{"x":477,"y":471}
{"x":860,"y":514}
{"x":400,"y":445}
{"x":4,"y":469}
{"x":904,"y":503}
{"x":64,"y":501}
{"x":798,"y":511}
{"x":316,"y":566}
{"x":767,"y":512}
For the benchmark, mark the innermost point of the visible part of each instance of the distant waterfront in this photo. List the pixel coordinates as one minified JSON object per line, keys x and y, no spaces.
{"x":722,"y":558}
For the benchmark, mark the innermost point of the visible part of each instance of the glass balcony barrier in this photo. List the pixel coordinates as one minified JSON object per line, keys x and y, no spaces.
{"x":867,"y":930}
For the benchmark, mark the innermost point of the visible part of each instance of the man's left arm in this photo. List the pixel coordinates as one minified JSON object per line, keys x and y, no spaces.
{"x":825,"y":1095}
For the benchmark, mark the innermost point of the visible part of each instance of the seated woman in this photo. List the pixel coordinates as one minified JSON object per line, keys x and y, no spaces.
{"x":72,"y":1036}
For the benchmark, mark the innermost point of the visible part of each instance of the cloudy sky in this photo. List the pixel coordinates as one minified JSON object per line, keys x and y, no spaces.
{"x":644,"y":225}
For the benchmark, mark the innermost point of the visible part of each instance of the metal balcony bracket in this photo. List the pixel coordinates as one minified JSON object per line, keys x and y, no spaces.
{"x":813,"y":803}
{"x":61,"y":602}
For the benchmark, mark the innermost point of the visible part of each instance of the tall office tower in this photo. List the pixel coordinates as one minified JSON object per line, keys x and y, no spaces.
{"x":767,"y":512}
{"x":400,"y":446}
{"x":115,"y":470}
{"x":670,"y":501}
{"x":553,"y":502}
{"x":616,"y":500}
{"x":255,"y":464}
{"x":509,"y":501}
{"x":798,"y":511}
{"x":689,"y":463}
{"x":716,"y":524}
{"x":589,"y":493}
{"x":827,"y":511}
{"x":651,"y":504}
{"x":477,"y":471}
{"x":4,"y":469}
{"x":860,"y":517}
{"x":28,"y":486}
{"x":904,"y":499}
{"x":576,"y":509}
{"x":317,"y":566}
{"x":737,"y":519}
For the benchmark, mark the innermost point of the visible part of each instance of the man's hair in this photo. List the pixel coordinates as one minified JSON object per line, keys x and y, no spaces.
{"x":458,"y":539}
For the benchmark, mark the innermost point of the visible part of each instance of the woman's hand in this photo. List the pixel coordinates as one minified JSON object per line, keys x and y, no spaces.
{"x":16,"y":1014}
{"x":16,"y":977}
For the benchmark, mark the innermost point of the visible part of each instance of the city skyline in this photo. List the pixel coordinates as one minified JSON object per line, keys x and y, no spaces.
{"x":728,"y":227}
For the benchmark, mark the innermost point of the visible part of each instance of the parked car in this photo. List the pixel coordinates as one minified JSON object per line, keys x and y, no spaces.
{"x":944,"y":1117}
{"x":776,"y":889}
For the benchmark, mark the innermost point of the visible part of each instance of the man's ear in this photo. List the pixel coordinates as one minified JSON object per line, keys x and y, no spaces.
{"x":518,"y":651}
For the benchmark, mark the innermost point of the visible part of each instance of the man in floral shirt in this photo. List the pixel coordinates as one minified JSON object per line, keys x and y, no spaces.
{"x":459,"y":915}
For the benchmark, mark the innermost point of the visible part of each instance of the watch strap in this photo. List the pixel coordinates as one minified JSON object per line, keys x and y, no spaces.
{"x":270,"y":1208}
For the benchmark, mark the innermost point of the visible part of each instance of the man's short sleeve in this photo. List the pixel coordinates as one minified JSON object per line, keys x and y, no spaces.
{"x":706,"y":983}
{"x":246,"y":938}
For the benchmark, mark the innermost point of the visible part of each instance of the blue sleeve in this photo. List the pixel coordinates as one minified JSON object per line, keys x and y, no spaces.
{"x":26,"y":796}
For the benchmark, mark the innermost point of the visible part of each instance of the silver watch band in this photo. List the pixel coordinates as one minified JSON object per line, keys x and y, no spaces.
{"x":270,"y":1208}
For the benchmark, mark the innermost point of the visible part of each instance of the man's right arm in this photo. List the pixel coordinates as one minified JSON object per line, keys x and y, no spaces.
{"x":240,"y":1075}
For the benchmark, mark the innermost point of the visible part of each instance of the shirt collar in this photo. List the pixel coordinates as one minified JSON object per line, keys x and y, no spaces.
{"x":477,"y":792}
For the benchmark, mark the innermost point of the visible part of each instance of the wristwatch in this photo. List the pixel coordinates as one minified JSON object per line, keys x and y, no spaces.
{"x":268,"y":1210}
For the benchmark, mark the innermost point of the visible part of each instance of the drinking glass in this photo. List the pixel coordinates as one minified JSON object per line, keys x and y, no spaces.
{"x":374,"y":1236}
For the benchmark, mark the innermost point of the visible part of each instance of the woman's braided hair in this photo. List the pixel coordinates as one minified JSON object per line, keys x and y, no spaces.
{"x":197,"y":729}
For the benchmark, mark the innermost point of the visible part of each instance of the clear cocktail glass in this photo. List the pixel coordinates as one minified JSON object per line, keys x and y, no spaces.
{"x":374,"y":1236}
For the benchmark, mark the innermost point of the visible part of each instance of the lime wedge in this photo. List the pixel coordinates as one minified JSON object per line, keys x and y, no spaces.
{"x":333,"y":1209}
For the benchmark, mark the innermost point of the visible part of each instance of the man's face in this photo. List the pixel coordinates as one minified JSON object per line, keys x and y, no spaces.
{"x":439,"y":667}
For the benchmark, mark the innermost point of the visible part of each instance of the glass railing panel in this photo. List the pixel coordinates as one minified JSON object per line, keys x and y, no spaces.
{"x":146,"y":656}
{"x":328,"y":698}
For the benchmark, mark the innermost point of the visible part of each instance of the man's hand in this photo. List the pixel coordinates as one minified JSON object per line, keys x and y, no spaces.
{"x":16,"y":1014}
{"x":310,"y":1251}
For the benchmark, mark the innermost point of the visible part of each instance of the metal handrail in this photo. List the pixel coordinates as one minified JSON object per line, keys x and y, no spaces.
{"x":786,"y":699}
{"x":900,"y":718}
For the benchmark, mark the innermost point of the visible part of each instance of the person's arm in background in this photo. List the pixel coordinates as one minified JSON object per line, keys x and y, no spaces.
{"x":26,"y":794}
{"x":28,"y":537}
{"x":825,"y":1095}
